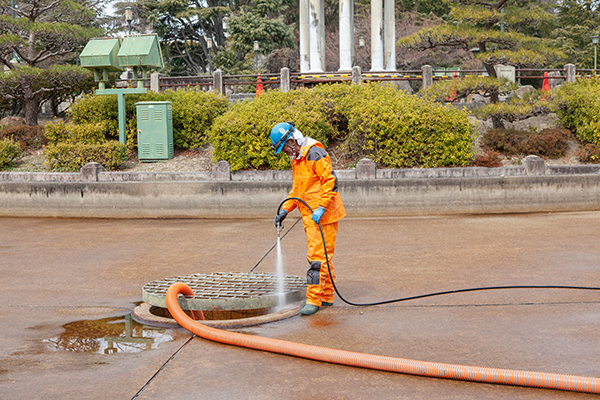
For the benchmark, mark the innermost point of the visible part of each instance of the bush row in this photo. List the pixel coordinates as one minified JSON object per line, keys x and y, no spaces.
{"x":370,"y":120}
{"x":71,"y":146}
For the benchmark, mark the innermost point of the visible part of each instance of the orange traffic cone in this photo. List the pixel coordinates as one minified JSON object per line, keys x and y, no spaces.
{"x":545,"y":87}
{"x":259,"y":87}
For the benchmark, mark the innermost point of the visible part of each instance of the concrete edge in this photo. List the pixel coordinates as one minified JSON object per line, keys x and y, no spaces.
{"x":365,"y":170}
{"x":143,"y":315}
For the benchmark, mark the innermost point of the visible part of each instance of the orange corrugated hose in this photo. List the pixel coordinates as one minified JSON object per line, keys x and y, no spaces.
{"x":401,"y":365}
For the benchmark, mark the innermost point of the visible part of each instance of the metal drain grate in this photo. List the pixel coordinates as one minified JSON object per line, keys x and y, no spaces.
{"x":228,"y":291}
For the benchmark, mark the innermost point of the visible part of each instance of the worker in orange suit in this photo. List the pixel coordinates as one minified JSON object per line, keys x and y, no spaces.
{"x":315,"y":182}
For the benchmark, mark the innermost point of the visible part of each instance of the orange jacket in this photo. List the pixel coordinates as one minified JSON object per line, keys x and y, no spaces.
{"x":315,"y":182}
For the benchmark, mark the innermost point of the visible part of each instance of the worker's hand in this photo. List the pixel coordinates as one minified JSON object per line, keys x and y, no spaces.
{"x":280,"y":217}
{"x":318,"y":214}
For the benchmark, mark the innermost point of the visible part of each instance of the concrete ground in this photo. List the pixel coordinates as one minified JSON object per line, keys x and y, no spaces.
{"x":67,"y":285}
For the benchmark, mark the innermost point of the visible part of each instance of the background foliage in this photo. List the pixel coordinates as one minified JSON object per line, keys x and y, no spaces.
{"x":193,"y":114}
{"x":374,"y":120}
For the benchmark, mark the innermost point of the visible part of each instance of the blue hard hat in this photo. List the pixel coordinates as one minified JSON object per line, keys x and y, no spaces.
{"x":280,"y":134}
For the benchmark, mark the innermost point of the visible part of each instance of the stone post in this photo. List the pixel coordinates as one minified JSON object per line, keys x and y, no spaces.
{"x":570,"y":73}
{"x":218,"y":81}
{"x":155,"y":82}
{"x":90,"y":171}
{"x":505,"y":71}
{"x":221,"y":171}
{"x":365,"y":169}
{"x":427,"y":76}
{"x":554,"y":82}
{"x":284,"y":78}
{"x":356,"y":75}
{"x":534,"y":165}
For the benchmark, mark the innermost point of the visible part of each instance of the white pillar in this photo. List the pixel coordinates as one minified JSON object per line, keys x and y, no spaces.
{"x":304,"y":37}
{"x":376,"y":35}
{"x":390,"y":36}
{"x":346,"y":34}
{"x":315,"y":19}
{"x":322,"y":33}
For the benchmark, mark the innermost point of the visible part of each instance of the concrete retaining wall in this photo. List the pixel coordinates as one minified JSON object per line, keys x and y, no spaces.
{"x":365,"y":191}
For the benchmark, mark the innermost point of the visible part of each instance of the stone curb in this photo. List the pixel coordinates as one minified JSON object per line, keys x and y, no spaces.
{"x":365,"y":170}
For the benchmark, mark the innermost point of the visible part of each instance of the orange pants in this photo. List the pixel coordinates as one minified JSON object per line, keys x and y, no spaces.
{"x":319,"y":284}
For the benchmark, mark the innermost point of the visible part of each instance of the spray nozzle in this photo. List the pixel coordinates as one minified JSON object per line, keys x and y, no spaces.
{"x":278,"y":230}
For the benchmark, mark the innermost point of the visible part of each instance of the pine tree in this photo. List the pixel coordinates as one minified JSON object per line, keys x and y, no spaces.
{"x":42,"y":33}
{"x":501,"y":32}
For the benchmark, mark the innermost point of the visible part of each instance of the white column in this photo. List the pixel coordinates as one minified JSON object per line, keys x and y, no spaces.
{"x":322,"y":33}
{"x":389,"y":53}
{"x":304,"y":37}
{"x":346,"y":35}
{"x":376,"y":35}
{"x":315,"y":18}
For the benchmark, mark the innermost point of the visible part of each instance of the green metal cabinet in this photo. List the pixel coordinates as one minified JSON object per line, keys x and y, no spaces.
{"x":154,"y":130}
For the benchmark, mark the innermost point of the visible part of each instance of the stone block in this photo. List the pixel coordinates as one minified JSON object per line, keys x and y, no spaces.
{"x":221,"y":171}
{"x":534,"y":165}
{"x":365,"y":169}
{"x":90,"y":171}
{"x":505,"y":71}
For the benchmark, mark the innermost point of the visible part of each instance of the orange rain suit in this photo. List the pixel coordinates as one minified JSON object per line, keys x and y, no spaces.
{"x":314,"y":181}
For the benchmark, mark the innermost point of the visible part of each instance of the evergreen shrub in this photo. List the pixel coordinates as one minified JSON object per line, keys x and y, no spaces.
{"x":241,"y":136}
{"x":9,"y":152}
{"x":369,"y":120}
{"x":70,"y":147}
{"x":578,"y":107}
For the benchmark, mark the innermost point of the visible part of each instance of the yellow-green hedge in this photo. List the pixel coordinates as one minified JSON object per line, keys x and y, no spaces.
{"x":578,"y":107}
{"x":9,"y":152}
{"x":70,"y":147}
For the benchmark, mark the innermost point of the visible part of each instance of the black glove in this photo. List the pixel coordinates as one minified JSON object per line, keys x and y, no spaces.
{"x":280,"y":217}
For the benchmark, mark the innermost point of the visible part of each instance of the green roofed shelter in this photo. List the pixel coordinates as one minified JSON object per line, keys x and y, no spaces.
{"x":101,"y":53}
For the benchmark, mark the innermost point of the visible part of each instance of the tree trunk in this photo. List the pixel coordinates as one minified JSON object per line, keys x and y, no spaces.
{"x":31,"y":112}
{"x":490,"y":70}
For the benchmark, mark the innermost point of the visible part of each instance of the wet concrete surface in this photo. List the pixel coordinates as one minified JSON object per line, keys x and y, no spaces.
{"x":67,"y":284}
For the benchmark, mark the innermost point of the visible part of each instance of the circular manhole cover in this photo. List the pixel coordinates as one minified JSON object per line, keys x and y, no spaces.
{"x":229,"y":291}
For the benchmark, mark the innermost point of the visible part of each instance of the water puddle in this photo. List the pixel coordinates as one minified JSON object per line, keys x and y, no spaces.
{"x":108,"y":336}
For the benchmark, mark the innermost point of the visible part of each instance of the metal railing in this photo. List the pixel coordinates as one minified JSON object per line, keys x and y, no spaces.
{"x":286,"y":80}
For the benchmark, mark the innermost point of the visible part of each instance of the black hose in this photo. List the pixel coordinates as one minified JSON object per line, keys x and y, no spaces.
{"x":428,"y":294}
